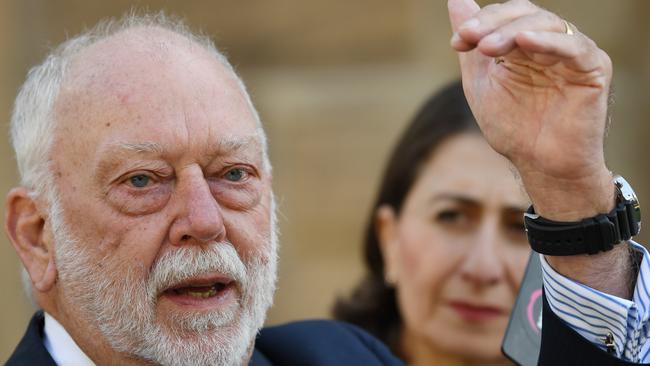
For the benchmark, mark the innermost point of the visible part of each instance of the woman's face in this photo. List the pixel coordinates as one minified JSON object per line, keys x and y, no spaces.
{"x":457,"y":251}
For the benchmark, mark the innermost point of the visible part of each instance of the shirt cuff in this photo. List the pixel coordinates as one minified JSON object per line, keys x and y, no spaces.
{"x":598,"y":316}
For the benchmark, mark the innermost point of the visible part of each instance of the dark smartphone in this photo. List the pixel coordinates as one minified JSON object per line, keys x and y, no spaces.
{"x":524,"y":333}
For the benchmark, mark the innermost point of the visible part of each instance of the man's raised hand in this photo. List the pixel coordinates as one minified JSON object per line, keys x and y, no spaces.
{"x":539,"y":90}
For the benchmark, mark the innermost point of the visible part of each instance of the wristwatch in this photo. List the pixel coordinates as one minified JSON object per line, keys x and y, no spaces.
{"x":591,"y":235}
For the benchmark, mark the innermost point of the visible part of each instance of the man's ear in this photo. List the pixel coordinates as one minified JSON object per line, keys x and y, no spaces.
{"x":386,"y":226}
{"x":25,"y":226}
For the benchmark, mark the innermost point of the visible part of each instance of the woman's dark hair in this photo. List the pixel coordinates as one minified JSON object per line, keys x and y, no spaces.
{"x":372,"y":305}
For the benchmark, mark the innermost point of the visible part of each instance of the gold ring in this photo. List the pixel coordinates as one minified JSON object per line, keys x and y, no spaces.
{"x":498,"y":60}
{"x":568,"y":29}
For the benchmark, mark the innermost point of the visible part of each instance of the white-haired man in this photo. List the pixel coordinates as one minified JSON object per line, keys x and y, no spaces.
{"x":145,"y":217}
{"x":145,"y":220}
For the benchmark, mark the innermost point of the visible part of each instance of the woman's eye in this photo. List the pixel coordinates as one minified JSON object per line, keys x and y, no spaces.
{"x":455,"y":219}
{"x":235,"y":175}
{"x":139,"y":181}
{"x":517,"y":228}
{"x":449,"y":216}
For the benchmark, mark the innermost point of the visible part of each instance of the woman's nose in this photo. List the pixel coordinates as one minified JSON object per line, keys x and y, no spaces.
{"x":482,"y":264}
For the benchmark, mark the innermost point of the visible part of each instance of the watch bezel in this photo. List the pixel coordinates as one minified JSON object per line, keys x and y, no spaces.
{"x":627,"y":195}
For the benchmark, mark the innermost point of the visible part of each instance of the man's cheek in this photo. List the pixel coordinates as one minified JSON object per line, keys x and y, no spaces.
{"x":135,"y":203}
{"x":250,"y":237}
{"x":133,"y":242}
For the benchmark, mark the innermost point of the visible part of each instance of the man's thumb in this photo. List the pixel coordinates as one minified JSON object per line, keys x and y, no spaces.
{"x":460,"y":11}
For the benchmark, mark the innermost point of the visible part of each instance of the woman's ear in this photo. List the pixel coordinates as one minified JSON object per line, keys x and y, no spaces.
{"x":386,"y":227}
{"x":25,"y":226}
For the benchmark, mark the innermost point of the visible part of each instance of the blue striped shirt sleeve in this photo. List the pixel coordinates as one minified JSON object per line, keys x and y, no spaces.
{"x":597,"y":316}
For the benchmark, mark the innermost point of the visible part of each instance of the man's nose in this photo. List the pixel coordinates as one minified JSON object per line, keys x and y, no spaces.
{"x":200,"y":218}
{"x":483,"y":263}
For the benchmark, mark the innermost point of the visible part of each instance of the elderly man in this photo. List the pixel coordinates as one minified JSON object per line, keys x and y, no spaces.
{"x":145,"y":220}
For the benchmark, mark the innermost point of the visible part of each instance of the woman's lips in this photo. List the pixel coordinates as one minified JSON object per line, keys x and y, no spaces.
{"x":476,"y":313}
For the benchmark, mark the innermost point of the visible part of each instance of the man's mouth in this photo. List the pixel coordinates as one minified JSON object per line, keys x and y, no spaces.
{"x":202,"y":290}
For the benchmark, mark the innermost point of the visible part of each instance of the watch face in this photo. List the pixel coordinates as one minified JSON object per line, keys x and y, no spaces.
{"x":628,"y":195}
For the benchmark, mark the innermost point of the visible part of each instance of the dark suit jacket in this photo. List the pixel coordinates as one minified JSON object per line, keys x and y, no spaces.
{"x":322,"y":342}
{"x":562,"y":345}
{"x":317,"y":342}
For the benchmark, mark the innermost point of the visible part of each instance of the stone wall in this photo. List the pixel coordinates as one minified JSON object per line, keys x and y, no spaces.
{"x":335,"y":81}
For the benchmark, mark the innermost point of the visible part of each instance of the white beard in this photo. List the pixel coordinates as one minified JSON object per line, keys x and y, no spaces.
{"x":123,"y":305}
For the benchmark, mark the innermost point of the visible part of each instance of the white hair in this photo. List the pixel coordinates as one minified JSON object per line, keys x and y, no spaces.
{"x":33,"y":123}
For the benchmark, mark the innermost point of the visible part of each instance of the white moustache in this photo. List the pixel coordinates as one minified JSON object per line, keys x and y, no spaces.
{"x":185,"y":263}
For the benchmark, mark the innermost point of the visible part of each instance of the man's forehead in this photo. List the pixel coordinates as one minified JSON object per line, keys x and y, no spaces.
{"x":150,"y":63}
{"x":138,"y":55}
{"x":133,"y":90}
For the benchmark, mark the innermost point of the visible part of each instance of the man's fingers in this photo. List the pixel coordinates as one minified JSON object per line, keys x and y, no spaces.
{"x":575,"y":51}
{"x":502,"y":39}
{"x":493,"y":17}
{"x":460,"y":11}
{"x":459,"y":45}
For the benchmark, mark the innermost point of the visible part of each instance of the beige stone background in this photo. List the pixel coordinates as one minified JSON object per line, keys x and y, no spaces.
{"x":335,"y":81}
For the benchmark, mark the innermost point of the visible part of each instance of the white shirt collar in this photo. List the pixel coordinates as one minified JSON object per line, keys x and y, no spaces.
{"x":61,"y":346}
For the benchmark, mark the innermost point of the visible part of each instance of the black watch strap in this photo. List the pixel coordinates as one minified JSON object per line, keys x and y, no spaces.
{"x":589,"y":236}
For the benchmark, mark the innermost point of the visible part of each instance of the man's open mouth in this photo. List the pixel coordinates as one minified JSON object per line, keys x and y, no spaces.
{"x":200,"y":288}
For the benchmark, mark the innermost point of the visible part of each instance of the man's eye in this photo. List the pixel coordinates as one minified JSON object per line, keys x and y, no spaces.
{"x":139,"y":181}
{"x":235,"y":175}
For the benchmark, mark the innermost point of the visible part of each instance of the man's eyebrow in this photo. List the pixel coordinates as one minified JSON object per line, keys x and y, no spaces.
{"x":226,"y":145}
{"x":113,"y":154}
{"x":235,"y":144}
{"x":140,"y":147}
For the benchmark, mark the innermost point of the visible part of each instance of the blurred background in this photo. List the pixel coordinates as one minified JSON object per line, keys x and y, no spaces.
{"x":335,"y":82}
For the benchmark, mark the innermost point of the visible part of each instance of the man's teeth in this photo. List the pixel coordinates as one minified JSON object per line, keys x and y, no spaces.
{"x":203,"y":294}
{"x":200,"y":292}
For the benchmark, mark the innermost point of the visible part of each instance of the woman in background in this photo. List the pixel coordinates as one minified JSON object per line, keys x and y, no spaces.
{"x":445,"y":246}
